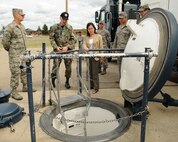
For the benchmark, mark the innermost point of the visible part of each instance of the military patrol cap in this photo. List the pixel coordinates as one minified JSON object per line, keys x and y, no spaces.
{"x":122,"y":15}
{"x":144,"y":7}
{"x":65,"y":15}
{"x":101,"y":22}
{"x":17,"y":11}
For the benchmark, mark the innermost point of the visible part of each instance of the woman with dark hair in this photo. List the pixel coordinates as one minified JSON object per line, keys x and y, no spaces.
{"x":93,"y":41}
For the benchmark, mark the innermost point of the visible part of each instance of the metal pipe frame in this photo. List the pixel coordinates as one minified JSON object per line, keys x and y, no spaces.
{"x":43,"y":75}
{"x":28,"y":58}
{"x":30,"y":101}
{"x":145,"y":96}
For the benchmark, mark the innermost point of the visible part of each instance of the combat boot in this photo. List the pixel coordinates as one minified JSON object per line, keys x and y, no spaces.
{"x":103,"y":72}
{"x":67,"y":85}
{"x":53,"y":78}
{"x":16,"y":96}
{"x":25,"y":89}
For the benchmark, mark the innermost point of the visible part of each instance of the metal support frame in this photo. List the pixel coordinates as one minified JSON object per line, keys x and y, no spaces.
{"x":80,"y":68}
{"x":166,"y":101}
{"x":43,"y":74}
{"x":134,"y":108}
{"x":28,"y":58}
{"x":145,"y":96}
{"x":141,"y":106}
{"x":30,"y":101}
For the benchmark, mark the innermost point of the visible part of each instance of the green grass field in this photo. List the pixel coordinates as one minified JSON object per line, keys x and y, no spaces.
{"x":35,"y":41}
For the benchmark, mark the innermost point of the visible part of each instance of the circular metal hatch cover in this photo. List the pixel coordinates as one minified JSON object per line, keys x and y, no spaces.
{"x":74,"y":132}
{"x":156,"y":30}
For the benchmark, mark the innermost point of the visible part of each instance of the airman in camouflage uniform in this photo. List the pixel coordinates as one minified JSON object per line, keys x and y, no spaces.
{"x":122,"y":36}
{"x":80,"y":42}
{"x":14,"y":42}
{"x":143,"y":10}
{"x":106,"y":44}
{"x":62,"y":39}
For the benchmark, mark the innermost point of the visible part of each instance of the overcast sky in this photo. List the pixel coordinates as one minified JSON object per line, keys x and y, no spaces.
{"x":40,"y":12}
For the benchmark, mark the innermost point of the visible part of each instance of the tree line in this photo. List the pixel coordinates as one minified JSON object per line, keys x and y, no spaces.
{"x":43,"y":31}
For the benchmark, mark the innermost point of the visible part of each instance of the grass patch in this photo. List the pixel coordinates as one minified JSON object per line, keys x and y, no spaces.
{"x":35,"y":42}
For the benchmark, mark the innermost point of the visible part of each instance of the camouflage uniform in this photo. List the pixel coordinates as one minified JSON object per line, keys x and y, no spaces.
{"x":122,"y":36}
{"x":14,"y":42}
{"x":106,"y":37}
{"x":120,"y":41}
{"x":80,"y":43}
{"x":61,"y":36}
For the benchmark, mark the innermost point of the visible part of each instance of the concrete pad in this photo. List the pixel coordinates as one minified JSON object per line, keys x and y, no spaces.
{"x":162,"y":124}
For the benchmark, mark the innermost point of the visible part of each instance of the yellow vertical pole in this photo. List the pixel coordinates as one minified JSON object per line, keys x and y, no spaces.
{"x":66,"y":5}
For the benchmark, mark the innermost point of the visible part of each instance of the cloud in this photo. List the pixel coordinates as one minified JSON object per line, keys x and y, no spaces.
{"x":48,"y":12}
{"x":83,"y":12}
{"x":98,"y":3}
{"x":45,"y":8}
{"x":4,"y":9}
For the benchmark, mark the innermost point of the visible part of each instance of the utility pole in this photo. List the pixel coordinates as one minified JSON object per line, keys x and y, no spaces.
{"x":67,"y":6}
